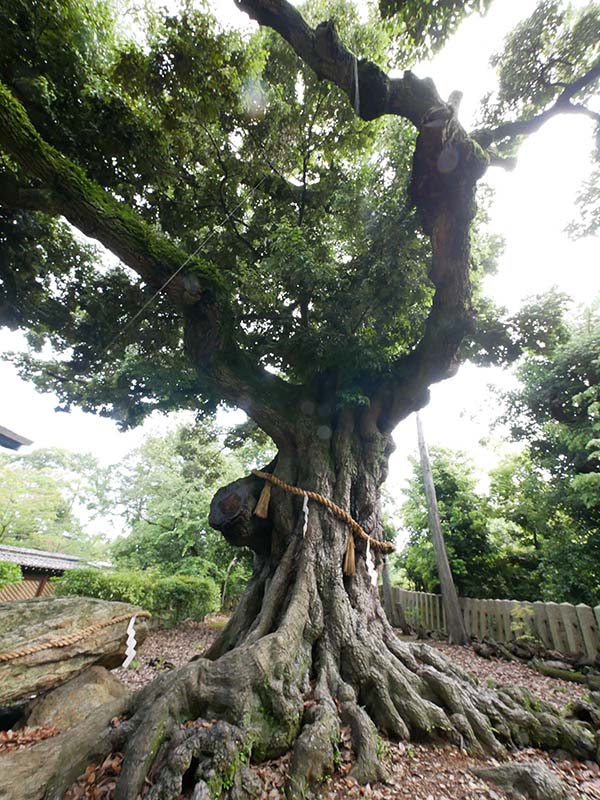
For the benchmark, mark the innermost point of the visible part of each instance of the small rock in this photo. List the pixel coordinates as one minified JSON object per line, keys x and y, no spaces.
{"x":533,"y":780}
{"x":559,"y":665}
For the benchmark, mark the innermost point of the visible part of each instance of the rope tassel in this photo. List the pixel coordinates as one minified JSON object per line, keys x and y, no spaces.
{"x":262,"y":507}
{"x":349,"y":557}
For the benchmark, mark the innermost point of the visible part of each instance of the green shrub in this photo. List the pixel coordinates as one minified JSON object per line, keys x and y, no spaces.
{"x":171,"y":599}
{"x":235,"y":585}
{"x":183,"y":596}
{"x":9,"y":573}
{"x":126,"y":587}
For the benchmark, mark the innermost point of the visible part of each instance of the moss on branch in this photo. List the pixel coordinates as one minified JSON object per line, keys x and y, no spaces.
{"x":95,"y":212}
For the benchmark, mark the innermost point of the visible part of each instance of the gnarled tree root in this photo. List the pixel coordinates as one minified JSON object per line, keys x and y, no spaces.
{"x":306,"y":652}
{"x":197,"y":728}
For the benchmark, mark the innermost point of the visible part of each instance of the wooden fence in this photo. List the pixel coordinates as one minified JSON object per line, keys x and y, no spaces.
{"x":26,"y":589}
{"x":560,"y":626}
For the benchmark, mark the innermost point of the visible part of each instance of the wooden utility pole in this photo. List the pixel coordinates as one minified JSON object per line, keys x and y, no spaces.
{"x":457,"y":633}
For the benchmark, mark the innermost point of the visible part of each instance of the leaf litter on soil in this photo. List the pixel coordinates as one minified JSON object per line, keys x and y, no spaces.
{"x":415,"y":771}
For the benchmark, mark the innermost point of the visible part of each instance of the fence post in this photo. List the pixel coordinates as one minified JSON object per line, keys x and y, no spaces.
{"x":430,"y":625}
{"x":542,"y":628}
{"x":485,"y":619}
{"x":589,"y":631}
{"x":438,"y":612}
{"x":419,"y":609}
{"x":556,"y":627}
{"x":470,"y":616}
{"x":496,"y":625}
{"x":505,"y":620}
{"x":476,"y":617}
{"x":569,"y":617}
{"x":463,"y":608}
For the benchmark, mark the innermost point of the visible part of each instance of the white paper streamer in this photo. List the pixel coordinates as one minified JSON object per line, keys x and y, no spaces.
{"x":305,"y":512}
{"x":356,"y":88}
{"x":370,"y":565}
{"x":131,"y":643}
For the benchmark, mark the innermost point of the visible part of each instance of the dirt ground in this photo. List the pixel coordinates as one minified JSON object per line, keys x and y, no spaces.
{"x":416,"y":771}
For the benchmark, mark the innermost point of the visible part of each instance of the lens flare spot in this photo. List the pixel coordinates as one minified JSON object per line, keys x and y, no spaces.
{"x":254,"y":98}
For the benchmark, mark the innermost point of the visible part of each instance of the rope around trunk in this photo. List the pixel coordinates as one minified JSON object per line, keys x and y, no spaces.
{"x":72,"y":638}
{"x":376,"y":544}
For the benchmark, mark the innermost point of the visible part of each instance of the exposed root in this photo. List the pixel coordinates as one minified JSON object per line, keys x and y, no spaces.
{"x":314,"y":751}
{"x":197,"y":729}
{"x":316,"y":665}
{"x":365,"y":739}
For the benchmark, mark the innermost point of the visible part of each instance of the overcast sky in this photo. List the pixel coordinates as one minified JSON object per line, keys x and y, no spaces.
{"x":531,"y":208}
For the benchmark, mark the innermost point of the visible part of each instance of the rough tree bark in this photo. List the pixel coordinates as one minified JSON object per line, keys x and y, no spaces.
{"x":457,"y":633}
{"x":307,"y":649}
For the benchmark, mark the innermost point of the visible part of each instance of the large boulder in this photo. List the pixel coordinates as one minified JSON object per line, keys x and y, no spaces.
{"x":70,"y":703}
{"x":45,"y":621}
{"x":26,"y":774}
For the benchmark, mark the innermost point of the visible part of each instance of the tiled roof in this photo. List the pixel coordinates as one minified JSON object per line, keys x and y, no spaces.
{"x":42,"y":559}
{"x":12,"y":440}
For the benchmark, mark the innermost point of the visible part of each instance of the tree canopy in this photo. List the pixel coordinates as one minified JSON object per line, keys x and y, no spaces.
{"x":291,"y":214}
{"x":48,"y":499}
{"x":225,"y":167}
{"x":535,"y":534}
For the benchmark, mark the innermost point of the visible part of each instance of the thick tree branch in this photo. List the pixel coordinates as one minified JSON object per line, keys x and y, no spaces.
{"x":446,"y":167}
{"x":450,"y":319}
{"x":96,"y":213}
{"x":192,"y":284}
{"x":562,"y":105}
{"x":322,"y":50}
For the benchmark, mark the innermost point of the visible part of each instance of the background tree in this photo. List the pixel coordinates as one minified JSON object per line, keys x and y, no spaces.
{"x":536,"y":534}
{"x":9,"y":573}
{"x":556,"y":497}
{"x":464,"y":519}
{"x":272,"y":257}
{"x":48,"y":499}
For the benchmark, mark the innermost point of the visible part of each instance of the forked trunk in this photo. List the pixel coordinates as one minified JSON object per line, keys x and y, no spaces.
{"x":307,"y":650}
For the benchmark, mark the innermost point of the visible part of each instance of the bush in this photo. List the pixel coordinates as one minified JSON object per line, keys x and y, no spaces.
{"x":126,"y":587}
{"x":183,"y":596}
{"x":9,"y":573}
{"x":171,"y":599}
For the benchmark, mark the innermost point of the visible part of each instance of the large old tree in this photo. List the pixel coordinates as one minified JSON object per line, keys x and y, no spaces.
{"x":292,"y":230}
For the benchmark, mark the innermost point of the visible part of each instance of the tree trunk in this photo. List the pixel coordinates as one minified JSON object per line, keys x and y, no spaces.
{"x":307,"y":650}
{"x":457,"y":633}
